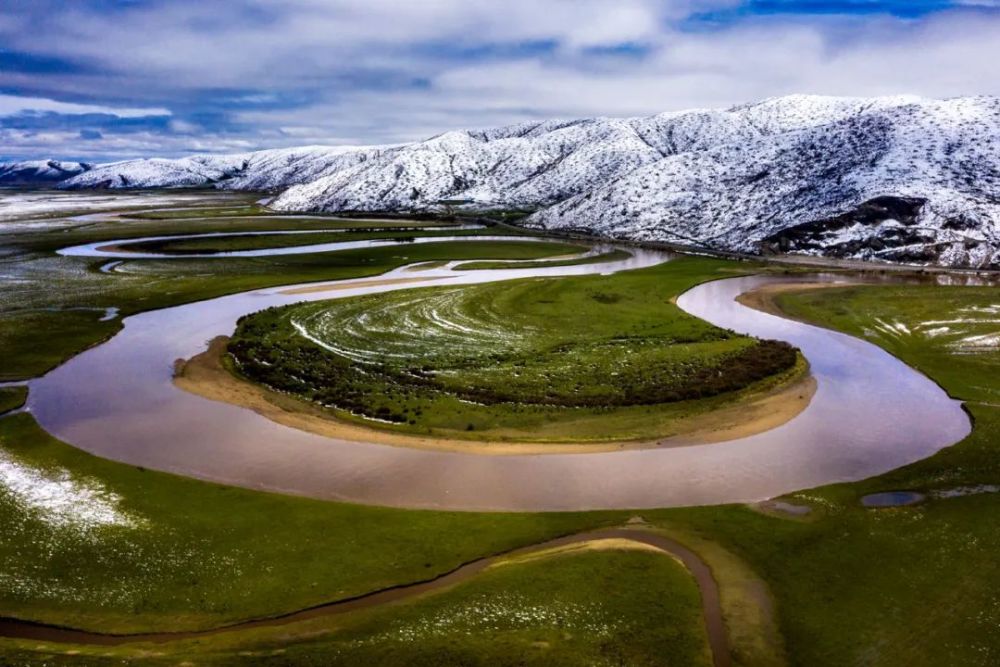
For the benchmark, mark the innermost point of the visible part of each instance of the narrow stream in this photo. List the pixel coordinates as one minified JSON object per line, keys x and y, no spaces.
{"x":711,"y":606}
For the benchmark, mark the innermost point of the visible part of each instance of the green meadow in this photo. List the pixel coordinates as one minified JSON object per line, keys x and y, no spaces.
{"x":97,"y":545}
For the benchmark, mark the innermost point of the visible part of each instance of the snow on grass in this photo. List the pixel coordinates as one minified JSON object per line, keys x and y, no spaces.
{"x":979,"y":343}
{"x":894,"y":329}
{"x":962,"y":331}
{"x":961,"y":491}
{"x":410,"y":327}
{"x":62,"y":501}
{"x":937,"y":331}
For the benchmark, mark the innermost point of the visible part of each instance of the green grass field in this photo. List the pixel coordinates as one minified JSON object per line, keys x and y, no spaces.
{"x":53,"y":306}
{"x":96,"y":544}
{"x":911,"y":585}
{"x":11,"y":398}
{"x":592,"y":358}
{"x":565,"y":608}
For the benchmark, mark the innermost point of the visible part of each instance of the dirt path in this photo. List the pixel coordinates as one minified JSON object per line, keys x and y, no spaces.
{"x":205,"y":376}
{"x":709,"y":589}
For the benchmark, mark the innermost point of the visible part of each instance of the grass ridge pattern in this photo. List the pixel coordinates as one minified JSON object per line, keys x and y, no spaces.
{"x":548,"y":344}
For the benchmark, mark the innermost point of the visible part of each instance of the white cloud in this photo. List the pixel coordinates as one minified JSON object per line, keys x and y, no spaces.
{"x":11,"y":105}
{"x":943,"y":57}
{"x":343,"y":71}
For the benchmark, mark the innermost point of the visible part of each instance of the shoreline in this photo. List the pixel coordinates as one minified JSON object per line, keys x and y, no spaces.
{"x":763,"y":298}
{"x":205,"y":375}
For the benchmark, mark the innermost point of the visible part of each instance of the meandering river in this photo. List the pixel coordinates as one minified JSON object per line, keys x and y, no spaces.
{"x":871,"y":413}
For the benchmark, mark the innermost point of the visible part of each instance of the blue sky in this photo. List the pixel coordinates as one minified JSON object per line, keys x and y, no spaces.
{"x":112,"y":79}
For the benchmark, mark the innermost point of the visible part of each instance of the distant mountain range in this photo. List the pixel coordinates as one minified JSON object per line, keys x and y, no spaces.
{"x":901,"y":179}
{"x":39,"y":172}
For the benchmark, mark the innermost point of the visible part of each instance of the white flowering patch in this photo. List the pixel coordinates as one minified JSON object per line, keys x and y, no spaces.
{"x":961,"y":491}
{"x":493,"y":613}
{"x":62,"y":501}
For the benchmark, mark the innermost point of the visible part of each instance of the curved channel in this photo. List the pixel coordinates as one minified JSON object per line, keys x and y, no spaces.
{"x":707,"y":586}
{"x":871,"y":413}
{"x":120,"y":249}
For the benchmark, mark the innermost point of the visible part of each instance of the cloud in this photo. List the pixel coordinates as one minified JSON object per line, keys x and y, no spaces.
{"x":11,"y":105}
{"x":244,"y":74}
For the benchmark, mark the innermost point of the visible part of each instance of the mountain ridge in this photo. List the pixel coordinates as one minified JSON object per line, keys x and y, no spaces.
{"x":902,"y":179}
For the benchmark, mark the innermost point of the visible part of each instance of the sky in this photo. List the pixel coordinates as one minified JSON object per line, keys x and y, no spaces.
{"x":100,"y":80}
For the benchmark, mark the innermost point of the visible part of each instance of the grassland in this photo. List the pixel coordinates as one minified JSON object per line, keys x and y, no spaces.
{"x":581,"y":606}
{"x":591,"y":358}
{"x":140,"y":550}
{"x":852,"y":586}
{"x":911,"y":585}
{"x":238,"y":209}
{"x":53,"y":306}
{"x":11,"y":398}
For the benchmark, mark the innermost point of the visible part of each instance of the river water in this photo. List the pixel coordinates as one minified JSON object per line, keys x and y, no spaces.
{"x":871,"y":413}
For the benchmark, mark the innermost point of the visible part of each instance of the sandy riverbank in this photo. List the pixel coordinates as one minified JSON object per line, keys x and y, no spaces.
{"x":764,"y":298}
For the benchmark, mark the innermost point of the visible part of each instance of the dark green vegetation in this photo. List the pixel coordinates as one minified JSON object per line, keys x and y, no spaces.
{"x":502,"y":359}
{"x":11,"y":398}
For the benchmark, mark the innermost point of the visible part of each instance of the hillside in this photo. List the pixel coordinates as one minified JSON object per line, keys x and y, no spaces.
{"x":36,"y":173}
{"x":900,"y":179}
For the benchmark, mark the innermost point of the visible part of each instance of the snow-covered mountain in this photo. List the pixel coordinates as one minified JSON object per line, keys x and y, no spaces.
{"x":39,"y":172}
{"x":260,"y":170}
{"x":897,"y":178}
{"x":914,"y":182}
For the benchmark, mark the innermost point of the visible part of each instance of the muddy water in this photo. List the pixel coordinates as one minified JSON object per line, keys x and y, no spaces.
{"x":871,"y":413}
